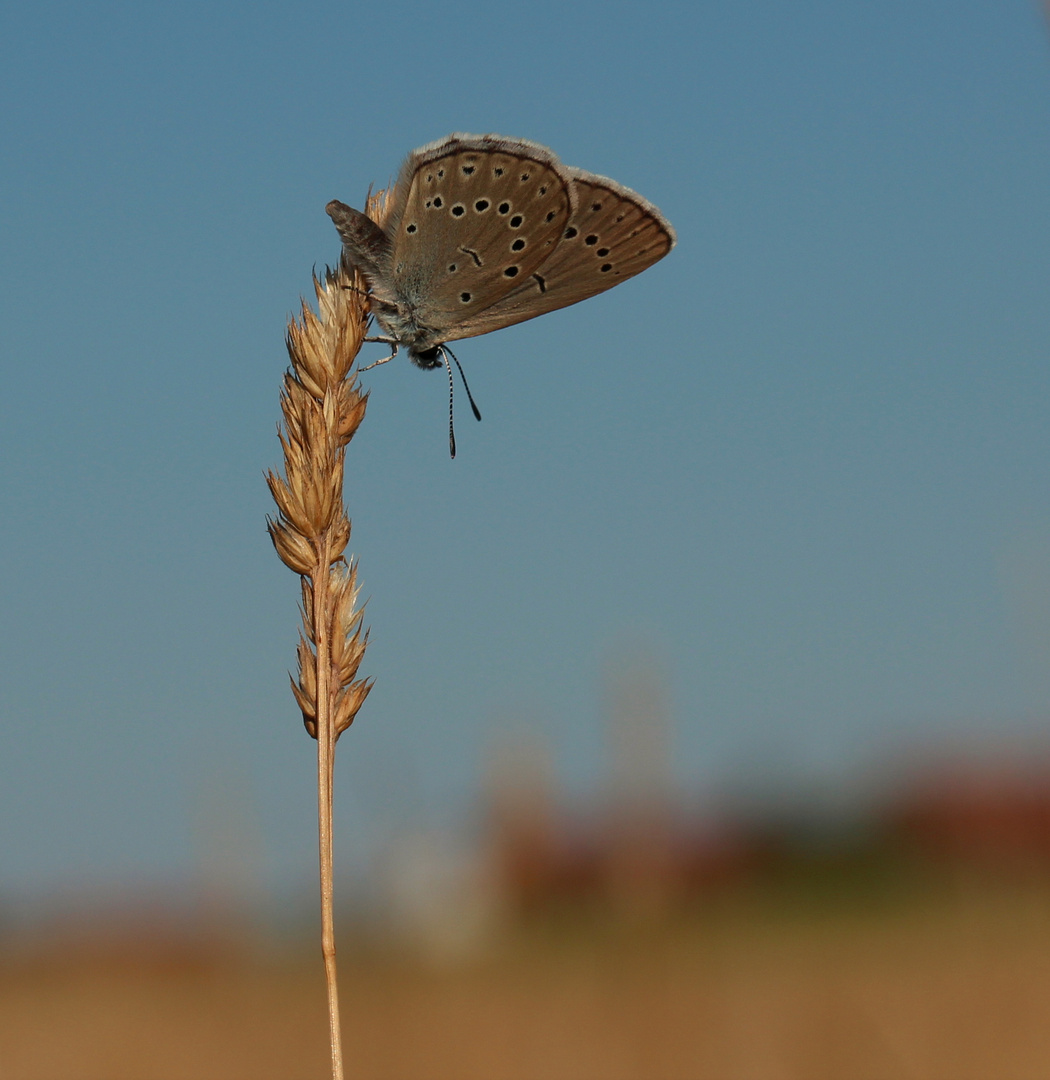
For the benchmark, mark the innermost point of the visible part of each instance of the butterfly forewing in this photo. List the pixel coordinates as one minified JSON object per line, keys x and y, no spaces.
{"x":478,"y":217}
{"x":611,"y":235}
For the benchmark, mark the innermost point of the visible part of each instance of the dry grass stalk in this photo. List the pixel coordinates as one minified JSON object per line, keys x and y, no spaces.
{"x":323,"y":407}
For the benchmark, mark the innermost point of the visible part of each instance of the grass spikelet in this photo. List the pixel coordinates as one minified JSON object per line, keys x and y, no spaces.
{"x":323,"y":406}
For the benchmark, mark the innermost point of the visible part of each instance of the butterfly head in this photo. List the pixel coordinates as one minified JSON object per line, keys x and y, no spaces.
{"x":404,"y":329}
{"x":426,"y":358}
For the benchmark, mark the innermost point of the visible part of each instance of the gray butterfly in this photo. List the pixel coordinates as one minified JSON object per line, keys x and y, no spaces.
{"x":483,"y":232}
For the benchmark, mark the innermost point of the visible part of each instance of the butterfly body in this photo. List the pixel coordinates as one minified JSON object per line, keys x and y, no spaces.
{"x":482,"y":232}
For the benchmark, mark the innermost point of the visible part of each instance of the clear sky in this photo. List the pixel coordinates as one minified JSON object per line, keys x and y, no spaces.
{"x":804,"y":461}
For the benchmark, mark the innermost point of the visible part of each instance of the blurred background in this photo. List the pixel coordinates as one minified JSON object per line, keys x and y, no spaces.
{"x":711,"y":727}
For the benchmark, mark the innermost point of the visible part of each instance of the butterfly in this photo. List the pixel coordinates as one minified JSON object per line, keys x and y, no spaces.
{"x":482,"y":232}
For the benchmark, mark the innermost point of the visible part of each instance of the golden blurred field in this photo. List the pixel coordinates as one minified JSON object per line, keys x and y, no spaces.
{"x":949,"y":984}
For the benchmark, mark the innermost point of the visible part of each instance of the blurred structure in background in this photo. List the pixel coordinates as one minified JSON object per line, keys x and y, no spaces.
{"x":533,"y":856}
{"x":642,"y":851}
{"x":436,"y":896}
{"x":898,"y":928}
{"x":642,"y":866}
{"x":985,"y":816}
{"x":634,"y":852}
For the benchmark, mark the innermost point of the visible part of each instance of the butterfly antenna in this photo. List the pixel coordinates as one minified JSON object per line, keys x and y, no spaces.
{"x":451,"y":423}
{"x":470,"y":397}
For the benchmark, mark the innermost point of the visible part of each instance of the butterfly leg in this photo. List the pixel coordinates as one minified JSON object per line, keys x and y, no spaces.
{"x":386,"y":359}
{"x":360,"y":292}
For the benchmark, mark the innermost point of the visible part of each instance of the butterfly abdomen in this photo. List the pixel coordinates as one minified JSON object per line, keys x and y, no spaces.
{"x":365,"y":244}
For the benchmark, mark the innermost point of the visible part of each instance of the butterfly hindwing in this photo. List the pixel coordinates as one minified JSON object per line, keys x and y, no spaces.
{"x":612,"y":234}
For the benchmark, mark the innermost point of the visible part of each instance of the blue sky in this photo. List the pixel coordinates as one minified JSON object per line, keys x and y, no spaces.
{"x":804,"y":462}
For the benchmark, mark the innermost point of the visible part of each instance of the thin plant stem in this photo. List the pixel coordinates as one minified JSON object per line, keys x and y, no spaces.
{"x":323,"y":407}
{"x":326,"y":737}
